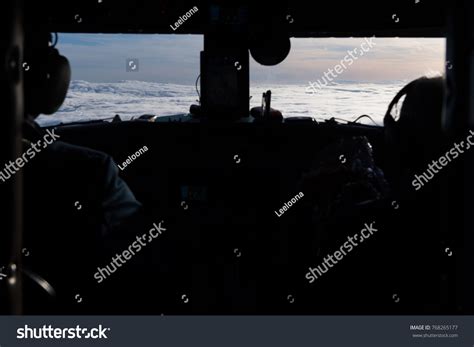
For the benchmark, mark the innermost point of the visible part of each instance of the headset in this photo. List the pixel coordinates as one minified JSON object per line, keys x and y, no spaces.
{"x":392,"y":127}
{"x":47,"y":74}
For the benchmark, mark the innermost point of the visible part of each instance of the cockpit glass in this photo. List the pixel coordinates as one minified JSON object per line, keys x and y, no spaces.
{"x":343,"y":78}
{"x":129,"y":75}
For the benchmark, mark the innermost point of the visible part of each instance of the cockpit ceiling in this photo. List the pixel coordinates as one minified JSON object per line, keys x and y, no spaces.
{"x":312,"y":18}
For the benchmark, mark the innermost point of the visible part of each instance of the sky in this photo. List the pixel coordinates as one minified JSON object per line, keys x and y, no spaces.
{"x":175,"y":59}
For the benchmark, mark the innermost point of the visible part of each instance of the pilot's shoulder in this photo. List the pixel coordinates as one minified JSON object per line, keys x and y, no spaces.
{"x":78,"y":154}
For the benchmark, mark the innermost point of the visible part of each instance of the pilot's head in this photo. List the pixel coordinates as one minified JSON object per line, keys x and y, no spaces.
{"x":46,"y":73}
{"x":417,"y":133}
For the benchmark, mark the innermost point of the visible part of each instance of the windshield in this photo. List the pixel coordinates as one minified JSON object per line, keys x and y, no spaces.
{"x":346,"y":77}
{"x":135,"y":74}
{"x":129,"y":75}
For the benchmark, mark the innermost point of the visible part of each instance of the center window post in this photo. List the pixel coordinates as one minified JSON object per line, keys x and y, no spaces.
{"x":225,"y":65}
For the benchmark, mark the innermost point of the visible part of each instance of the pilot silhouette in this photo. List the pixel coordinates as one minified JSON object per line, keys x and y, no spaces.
{"x":74,"y":200}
